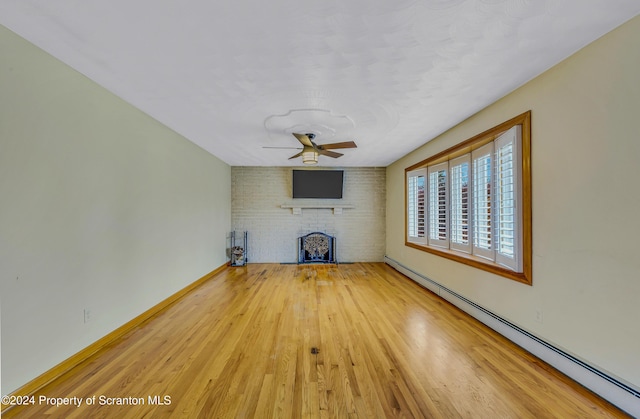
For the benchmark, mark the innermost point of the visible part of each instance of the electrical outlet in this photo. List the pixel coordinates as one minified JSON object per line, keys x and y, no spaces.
{"x":539,"y":315}
{"x":87,"y":315}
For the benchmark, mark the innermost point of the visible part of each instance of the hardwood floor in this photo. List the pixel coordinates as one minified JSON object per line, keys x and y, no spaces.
{"x":242,"y":344}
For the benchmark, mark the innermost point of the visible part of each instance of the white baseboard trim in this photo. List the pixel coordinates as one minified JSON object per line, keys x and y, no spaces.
{"x":609,"y":388}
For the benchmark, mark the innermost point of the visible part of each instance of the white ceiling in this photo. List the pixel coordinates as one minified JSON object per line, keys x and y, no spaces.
{"x":234,"y":76}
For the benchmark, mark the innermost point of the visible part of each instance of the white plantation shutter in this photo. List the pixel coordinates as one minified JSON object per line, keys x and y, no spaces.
{"x":438,"y":205}
{"x":416,"y":211}
{"x":475,"y":207}
{"x":508,"y":214}
{"x":482,"y":191}
{"x":460,"y":203}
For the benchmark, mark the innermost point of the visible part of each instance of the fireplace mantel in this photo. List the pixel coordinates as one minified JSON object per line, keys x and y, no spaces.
{"x":297,"y":208}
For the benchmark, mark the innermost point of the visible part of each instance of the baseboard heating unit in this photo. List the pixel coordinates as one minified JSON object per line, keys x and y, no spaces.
{"x":609,"y":388}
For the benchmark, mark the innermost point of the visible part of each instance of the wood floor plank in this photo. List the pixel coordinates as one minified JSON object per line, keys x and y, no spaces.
{"x":316,"y":341}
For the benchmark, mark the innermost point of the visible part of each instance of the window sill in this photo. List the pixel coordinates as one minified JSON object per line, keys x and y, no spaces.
{"x":474,"y":261}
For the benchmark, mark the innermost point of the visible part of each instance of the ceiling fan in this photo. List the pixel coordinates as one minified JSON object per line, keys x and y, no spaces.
{"x":311,"y":150}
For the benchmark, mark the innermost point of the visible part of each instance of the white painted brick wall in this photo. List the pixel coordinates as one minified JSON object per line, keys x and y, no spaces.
{"x":258,"y":192}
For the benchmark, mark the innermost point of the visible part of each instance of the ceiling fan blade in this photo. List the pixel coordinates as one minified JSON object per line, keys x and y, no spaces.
{"x":303,"y":139}
{"x":330,"y":153}
{"x":297,"y":155}
{"x":345,"y":144}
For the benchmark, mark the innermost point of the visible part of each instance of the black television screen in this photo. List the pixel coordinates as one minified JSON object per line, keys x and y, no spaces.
{"x":322,"y":184}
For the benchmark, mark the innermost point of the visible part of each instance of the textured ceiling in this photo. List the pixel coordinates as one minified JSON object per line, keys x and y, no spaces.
{"x":236,"y":76}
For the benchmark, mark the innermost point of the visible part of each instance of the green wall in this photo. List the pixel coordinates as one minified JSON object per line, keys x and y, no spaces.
{"x":102,"y":209}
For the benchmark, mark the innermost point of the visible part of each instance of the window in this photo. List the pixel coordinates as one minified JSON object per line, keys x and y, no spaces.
{"x":508,"y":213}
{"x":459,"y":198}
{"x":482,"y":228}
{"x":438,"y":202}
{"x":416,"y":206}
{"x":472,"y":203}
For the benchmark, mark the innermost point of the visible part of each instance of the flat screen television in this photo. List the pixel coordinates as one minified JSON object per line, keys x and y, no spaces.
{"x":319,"y":184}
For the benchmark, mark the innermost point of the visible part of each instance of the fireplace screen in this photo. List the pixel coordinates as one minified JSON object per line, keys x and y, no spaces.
{"x":316,"y":248}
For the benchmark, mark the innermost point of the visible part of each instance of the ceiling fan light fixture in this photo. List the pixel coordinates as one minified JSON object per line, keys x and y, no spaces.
{"x":310,"y":157}
{"x":311,"y":151}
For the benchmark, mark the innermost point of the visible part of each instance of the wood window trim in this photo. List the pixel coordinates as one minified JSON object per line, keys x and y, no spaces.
{"x":467,"y":146}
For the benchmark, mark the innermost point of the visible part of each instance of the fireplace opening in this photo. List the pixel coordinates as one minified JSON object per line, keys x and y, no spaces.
{"x":317,"y":247}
